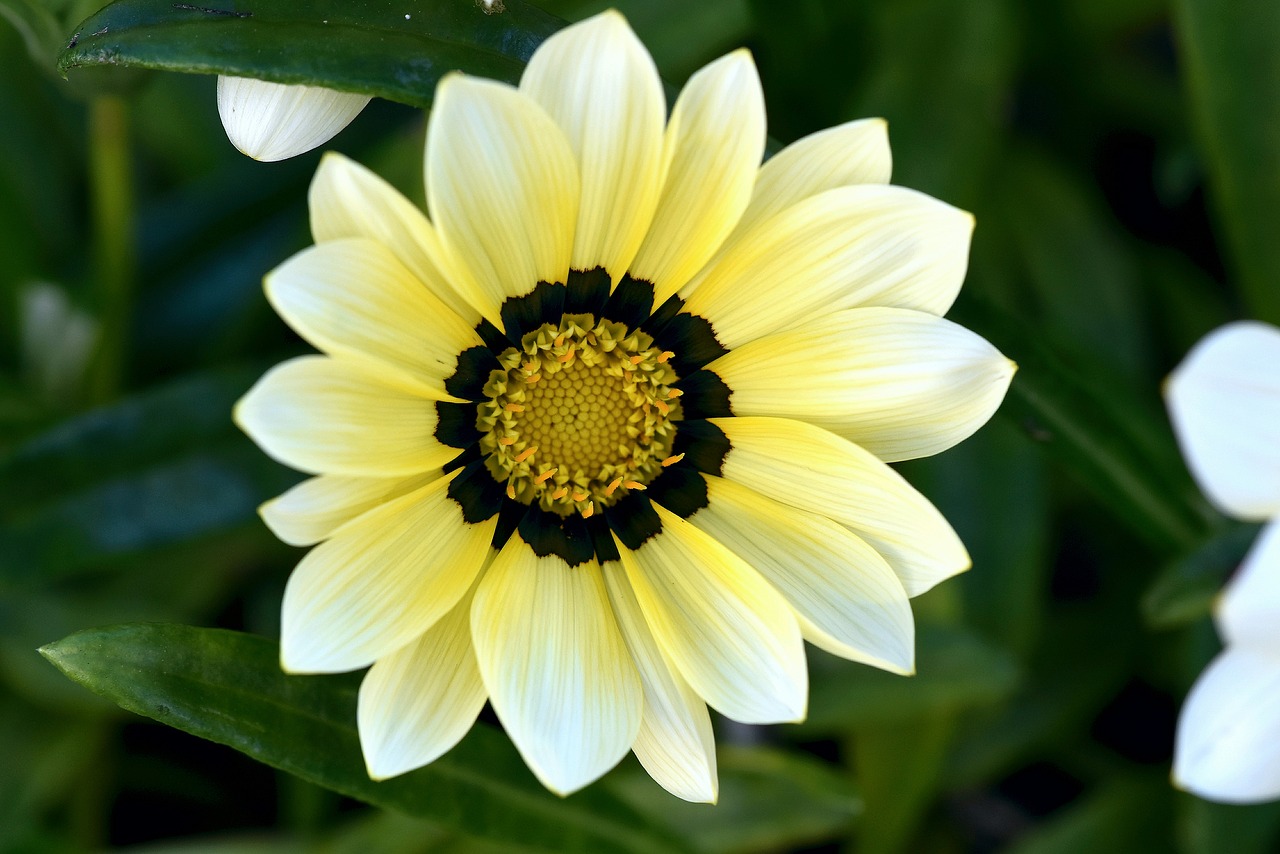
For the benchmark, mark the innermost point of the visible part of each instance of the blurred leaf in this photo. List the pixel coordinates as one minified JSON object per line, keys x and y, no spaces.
{"x":954,"y":670}
{"x":770,"y":800}
{"x":898,"y":765}
{"x":39,"y":27}
{"x":1122,"y":451}
{"x":160,"y":468}
{"x":1207,"y":828}
{"x":1186,"y":588}
{"x":1232,"y":67}
{"x":228,"y":687}
{"x":373,"y":47}
{"x":1127,"y":814}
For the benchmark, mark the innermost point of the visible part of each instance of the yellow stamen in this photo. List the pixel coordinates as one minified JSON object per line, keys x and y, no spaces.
{"x":546,"y":475}
{"x":635,"y":484}
{"x":664,"y":357}
{"x":613,"y":485}
{"x":636,"y":359}
{"x":511,"y":490}
{"x":591,"y":509}
{"x":526,"y":453}
{"x":507,"y":441}
{"x":560,"y":493}
{"x":581,"y":496}
{"x":514,"y":407}
{"x":674,"y":392}
{"x":670,"y":461}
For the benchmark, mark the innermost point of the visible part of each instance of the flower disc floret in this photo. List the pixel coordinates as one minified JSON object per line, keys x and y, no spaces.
{"x":579,"y":415}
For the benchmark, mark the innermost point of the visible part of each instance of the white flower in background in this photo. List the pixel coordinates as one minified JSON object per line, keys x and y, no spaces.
{"x":57,"y":341}
{"x":273,"y":121}
{"x":1224,"y":401}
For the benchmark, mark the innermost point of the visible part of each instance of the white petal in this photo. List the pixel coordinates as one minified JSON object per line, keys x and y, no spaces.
{"x":418,"y":702}
{"x":348,"y":200}
{"x":675,"y":743}
{"x":502,"y":186}
{"x":273,"y":121}
{"x":1248,"y":613}
{"x":851,"y":153}
{"x":730,"y":634}
{"x":353,"y":298}
{"x":382,"y":580}
{"x":1224,"y":402}
{"x":555,"y":665}
{"x":815,"y":470}
{"x":315,"y":508}
{"x":902,"y":384}
{"x":849,"y":600}
{"x":1228,"y":743}
{"x":333,"y":416}
{"x":715,"y":140}
{"x":600,"y":85}
{"x":843,"y":248}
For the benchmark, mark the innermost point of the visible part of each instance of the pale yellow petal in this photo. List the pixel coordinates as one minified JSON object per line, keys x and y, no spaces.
{"x":1248,"y":612}
{"x":315,"y":508}
{"x":815,"y":470}
{"x":382,"y":580}
{"x":274,"y":121}
{"x":334,"y":416}
{"x":715,"y":140}
{"x":675,"y":743}
{"x":900,"y":383}
{"x":353,"y":298}
{"x":852,"y":153}
{"x":348,"y":200}
{"x":849,"y":600}
{"x":555,"y":665}
{"x":418,"y":702}
{"x":502,"y":186}
{"x":843,"y":248}
{"x":729,"y":633}
{"x":600,"y":85}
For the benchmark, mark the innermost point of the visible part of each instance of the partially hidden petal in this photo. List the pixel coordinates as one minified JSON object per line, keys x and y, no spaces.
{"x":382,"y":580}
{"x":1224,"y":402}
{"x":675,"y":743}
{"x":729,"y":633}
{"x":502,"y":186}
{"x":418,"y":702}
{"x":848,"y":598}
{"x":597,"y":81}
{"x":902,"y":384}
{"x":333,"y":416}
{"x":347,"y":200}
{"x":274,"y":121}
{"x":315,"y":508}
{"x":1228,"y":742}
{"x":843,"y":248}
{"x":815,"y":470}
{"x":354,"y":298}
{"x":1248,"y":614}
{"x":555,"y":665}
{"x":715,"y":140}
{"x":852,"y":153}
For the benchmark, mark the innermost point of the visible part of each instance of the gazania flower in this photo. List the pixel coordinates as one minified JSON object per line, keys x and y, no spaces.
{"x":604,"y":440}
{"x":274,"y":121}
{"x":1224,"y":401}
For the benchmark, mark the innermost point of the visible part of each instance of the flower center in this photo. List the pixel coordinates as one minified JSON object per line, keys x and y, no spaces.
{"x":579,"y":415}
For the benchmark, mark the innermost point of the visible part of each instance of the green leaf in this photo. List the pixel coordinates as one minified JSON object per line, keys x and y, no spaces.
{"x":899,"y":766}
{"x":1233,"y":73}
{"x":954,"y":670}
{"x":228,"y":687}
{"x":1126,"y":814}
{"x":39,"y":28}
{"x":1123,"y":451}
{"x":163,"y":467}
{"x":1208,"y":828}
{"x":770,"y":800}
{"x":1185,"y":590}
{"x":390,"y":50}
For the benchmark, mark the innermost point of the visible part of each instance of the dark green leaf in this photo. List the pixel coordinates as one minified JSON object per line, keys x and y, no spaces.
{"x":1233,"y":71}
{"x":769,"y":801}
{"x":1186,"y":588}
{"x":1127,"y":814}
{"x":1208,"y":828}
{"x":899,"y":766}
{"x":954,"y":670}
{"x":376,"y":47}
{"x":228,"y":687}
{"x":160,"y":468}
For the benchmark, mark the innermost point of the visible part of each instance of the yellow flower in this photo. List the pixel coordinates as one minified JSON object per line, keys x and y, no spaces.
{"x":604,"y":440}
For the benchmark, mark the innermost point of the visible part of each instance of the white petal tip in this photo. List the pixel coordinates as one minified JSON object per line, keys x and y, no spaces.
{"x":274,"y":121}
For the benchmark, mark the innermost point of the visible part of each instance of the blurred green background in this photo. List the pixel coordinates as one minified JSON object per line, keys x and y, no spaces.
{"x":1123,"y":160}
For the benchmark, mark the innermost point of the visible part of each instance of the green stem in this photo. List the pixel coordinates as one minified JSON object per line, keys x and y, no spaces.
{"x":111,"y":178}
